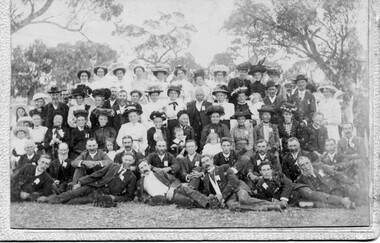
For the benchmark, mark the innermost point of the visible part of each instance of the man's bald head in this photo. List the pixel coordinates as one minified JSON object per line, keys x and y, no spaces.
{"x":199,"y":94}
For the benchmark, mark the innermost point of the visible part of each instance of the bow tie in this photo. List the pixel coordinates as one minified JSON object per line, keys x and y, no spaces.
{"x":174,"y":104}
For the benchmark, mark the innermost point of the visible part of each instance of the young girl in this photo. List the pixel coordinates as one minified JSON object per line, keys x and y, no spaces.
{"x":256,"y":103}
{"x":244,"y":130}
{"x":212,"y":146}
{"x":21,"y":135}
{"x":110,"y":148}
{"x":177,"y":146}
{"x":173,"y":106}
{"x":37,"y":131}
{"x":158,"y":132}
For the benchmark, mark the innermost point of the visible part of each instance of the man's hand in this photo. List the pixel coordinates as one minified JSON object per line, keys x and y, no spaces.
{"x":56,"y":182}
{"x":155,"y":169}
{"x":24,"y":195}
{"x":196,"y":174}
{"x":252,"y":177}
{"x":180,"y":156}
{"x":166,"y":169}
{"x":319,"y":155}
{"x":89,"y":164}
{"x":76,"y":186}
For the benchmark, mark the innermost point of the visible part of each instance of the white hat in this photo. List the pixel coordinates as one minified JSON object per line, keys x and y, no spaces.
{"x":330,"y":87}
{"x":37,"y":96}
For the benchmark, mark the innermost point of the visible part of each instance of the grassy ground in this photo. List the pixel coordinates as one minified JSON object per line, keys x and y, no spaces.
{"x":134,"y":215}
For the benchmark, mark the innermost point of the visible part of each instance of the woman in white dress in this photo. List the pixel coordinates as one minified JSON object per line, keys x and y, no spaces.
{"x":121,"y":82}
{"x":100,"y":79}
{"x":220,"y":74}
{"x":161,"y":72}
{"x":134,"y":129}
{"x":188,"y":93}
{"x":154,"y":104}
{"x":79,"y":94}
{"x":331,"y":110}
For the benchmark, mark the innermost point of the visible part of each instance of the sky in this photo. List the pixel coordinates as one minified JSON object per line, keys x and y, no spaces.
{"x":207,"y":16}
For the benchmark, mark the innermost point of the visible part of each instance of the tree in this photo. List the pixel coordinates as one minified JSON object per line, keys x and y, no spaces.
{"x":321,"y":30}
{"x":159,"y":40}
{"x":35,"y":68}
{"x":187,"y":61}
{"x":74,"y":16}
{"x":223,"y":59}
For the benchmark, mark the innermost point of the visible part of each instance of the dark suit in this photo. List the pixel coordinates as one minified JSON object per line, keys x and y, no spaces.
{"x":276,"y":188}
{"x":107,"y":104}
{"x":63,"y":172}
{"x":50,"y":112}
{"x":168,"y":161}
{"x":306,"y":107}
{"x":313,"y":139}
{"x":274,"y":139}
{"x":219,"y":158}
{"x":102,"y":133}
{"x":80,"y":171}
{"x":258,"y":87}
{"x":289,"y":166}
{"x":187,"y":166}
{"x":118,"y":118}
{"x":78,"y":140}
{"x":24,"y":160}
{"x":110,"y":180}
{"x":25,"y":180}
{"x":356,"y":151}
{"x":277,"y":116}
{"x":256,"y":161}
{"x":198,"y":119}
{"x":53,"y":150}
{"x":152,"y":142}
{"x":119,"y":156}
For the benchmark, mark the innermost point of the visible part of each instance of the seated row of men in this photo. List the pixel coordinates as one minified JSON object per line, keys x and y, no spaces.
{"x":253,"y":181}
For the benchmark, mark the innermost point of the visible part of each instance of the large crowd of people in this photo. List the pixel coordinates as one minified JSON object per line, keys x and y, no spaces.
{"x":231,"y":141}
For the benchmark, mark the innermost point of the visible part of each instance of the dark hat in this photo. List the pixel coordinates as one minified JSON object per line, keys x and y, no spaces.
{"x":199,"y":73}
{"x":134,"y":107}
{"x":215,"y":109}
{"x":117,"y":69}
{"x":153,"y":89}
{"x":87,"y":90}
{"x":239,"y":90}
{"x":176,"y":88}
{"x":138,"y":66}
{"x":275,"y":72}
{"x":300,"y":77}
{"x":104,"y":68}
{"x":270,"y":83}
{"x":243,"y":66}
{"x":81,"y":112}
{"x":288,"y":107}
{"x":106,"y":93}
{"x":161,"y":68}
{"x":136,"y":91}
{"x":220,"y":89}
{"x":266,"y":108}
{"x":182,"y":112}
{"x":246,"y":113}
{"x":256,"y":69}
{"x":156,"y":114}
{"x":103,"y":112}
{"x":83,"y":71}
{"x":54,"y":90}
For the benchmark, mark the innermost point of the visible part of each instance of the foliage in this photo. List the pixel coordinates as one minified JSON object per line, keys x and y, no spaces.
{"x":75,"y":13}
{"x":159,"y":40}
{"x":224,"y":58}
{"x":187,"y":61}
{"x":322,"y":30}
{"x":38,"y":66}
{"x":307,"y":67}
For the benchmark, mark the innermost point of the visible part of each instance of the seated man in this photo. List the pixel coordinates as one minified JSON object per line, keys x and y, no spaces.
{"x":228,"y":155}
{"x":32,"y":181}
{"x":30,"y":156}
{"x":273,"y":185}
{"x":328,"y":186}
{"x":165,"y":187}
{"x":350,"y":145}
{"x":115,"y":180}
{"x":191,"y":165}
{"x":222,"y":182}
{"x":61,"y":170}
{"x":127,"y":143}
{"x":313,"y":137}
{"x":90,"y":160}
{"x":289,"y":165}
{"x":163,"y":160}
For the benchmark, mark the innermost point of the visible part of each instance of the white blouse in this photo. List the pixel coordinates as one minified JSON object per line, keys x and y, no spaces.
{"x":137,"y":131}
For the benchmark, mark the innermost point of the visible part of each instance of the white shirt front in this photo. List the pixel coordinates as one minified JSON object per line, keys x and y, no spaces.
{"x":301,"y":94}
{"x":198,"y":105}
{"x":153,"y":186}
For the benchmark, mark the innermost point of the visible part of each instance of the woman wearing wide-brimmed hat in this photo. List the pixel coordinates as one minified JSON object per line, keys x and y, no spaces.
{"x":140,"y":81}
{"x":80,"y":133}
{"x":331,"y":110}
{"x":257,"y":71}
{"x":154,"y":103}
{"x":54,"y":107}
{"x":105,"y":130}
{"x":84,"y":76}
{"x":39,"y":101}
{"x":161,"y":72}
{"x":243,"y":130}
{"x":221,"y":94}
{"x":18,"y":111}
{"x":121,"y":82}
{"x":101,"y":80}
{"x":79,"y":94}
{"x":100,"y":95}
{"x":288,"y":126}
{"x":133,"y":128}
{"x":173,"y":105}
{"x":187,"y":87}
{"x":240,"y":81}
{"x":220,"y":73}
{"x":200,"y":83}
{"x":215,"y":126}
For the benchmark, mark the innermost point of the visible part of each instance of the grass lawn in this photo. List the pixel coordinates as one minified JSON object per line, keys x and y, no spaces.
{"x":135,"y":215}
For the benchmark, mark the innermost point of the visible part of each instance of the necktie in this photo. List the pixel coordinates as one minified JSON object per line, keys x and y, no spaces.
{"x":175,"y":104}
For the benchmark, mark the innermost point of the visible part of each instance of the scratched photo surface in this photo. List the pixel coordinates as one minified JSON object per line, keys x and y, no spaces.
{"x":202,"y":114}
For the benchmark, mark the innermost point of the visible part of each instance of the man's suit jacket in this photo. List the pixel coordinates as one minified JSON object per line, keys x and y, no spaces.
{"x":119,"y":156}
{"x":115,"y":183}
{"x":274,"y":138}
{"x":107,"y":104}
{"x":313,"y":140}
{"x":277,"y":116}
{"x":276,"y":188}
{"x":326,"y":181}
{"x":306,"y":107}
{"x":219,"y":158}
{"x":188,"y":165}
{"x":50,"y":112}
{"x":168,"y":161}
{"x":350,"y":151}
{"x":49,"y":136}
{"x":255,"y":161}
{"x":289,"y":166}
{"x":24,"y":160}
{"x":167,"y":179}
{"x":198,"y":119}
{"x":226,"y":179}
{"x":99,"y":156}
{"x":150,"y":137}
{"x":60,"y":172}
{"x":118,"y":118}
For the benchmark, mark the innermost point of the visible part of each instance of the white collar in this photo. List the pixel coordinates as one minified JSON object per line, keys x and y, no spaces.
{"x":262,"y":157}
{"x":226,"y":155}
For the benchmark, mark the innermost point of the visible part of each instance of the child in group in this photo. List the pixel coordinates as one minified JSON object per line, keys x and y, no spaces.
{"x":221,"y":93}
{"x":173,"y":106}
{"x":158,"y":132}
{"x":212,"y":146}
{"x":37,"y":131}
{"x":183,"y":123}
{"x":177,"y":146}
{"x":110,"y":148}
{"x":256,"y":103}
{"x":39,"y":100}
{"x":18,"y":144}
{"x":79,"y":134}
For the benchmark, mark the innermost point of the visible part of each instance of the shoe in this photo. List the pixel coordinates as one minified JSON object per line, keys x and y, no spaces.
{"x":104,"y":201}
{"x":213,"y":202}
